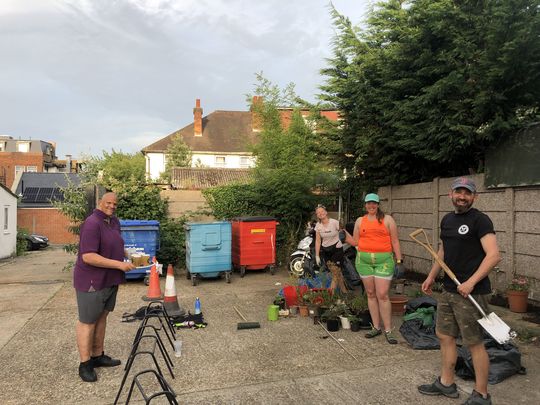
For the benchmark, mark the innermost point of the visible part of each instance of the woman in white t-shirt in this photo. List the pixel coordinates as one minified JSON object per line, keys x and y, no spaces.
{"x":328,"y":247}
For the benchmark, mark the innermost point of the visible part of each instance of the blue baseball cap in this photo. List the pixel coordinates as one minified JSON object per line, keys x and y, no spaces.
{"x":464,"y":182}
{"x":371,"y":197}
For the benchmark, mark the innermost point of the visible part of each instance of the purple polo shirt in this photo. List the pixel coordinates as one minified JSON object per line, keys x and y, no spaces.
{"x":99,"y":234}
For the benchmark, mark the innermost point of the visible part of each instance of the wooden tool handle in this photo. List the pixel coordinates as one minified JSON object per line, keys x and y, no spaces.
{"x":428,"y":247}
{"x":239,"y":313}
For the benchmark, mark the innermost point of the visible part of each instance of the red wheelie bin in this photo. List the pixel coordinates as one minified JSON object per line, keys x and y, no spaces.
{"x":254,"y":244}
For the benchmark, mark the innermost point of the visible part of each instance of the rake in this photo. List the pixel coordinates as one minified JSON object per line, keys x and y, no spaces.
{"x":491,"y":323}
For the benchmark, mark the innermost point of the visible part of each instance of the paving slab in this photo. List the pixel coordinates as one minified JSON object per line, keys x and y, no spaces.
{"x":288,"y":361}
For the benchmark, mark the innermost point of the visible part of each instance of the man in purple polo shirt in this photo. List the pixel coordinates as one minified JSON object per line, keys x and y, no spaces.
{"x":99,"y":269}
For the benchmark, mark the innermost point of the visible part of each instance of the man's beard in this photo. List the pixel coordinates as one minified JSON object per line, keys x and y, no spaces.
{"x":461,"y":209}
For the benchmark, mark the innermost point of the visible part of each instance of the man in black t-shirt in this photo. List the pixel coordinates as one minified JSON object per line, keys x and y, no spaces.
{"x":469,"y":248}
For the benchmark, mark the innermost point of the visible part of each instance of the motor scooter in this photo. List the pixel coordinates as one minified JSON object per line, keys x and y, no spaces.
{"x":302,"y":261}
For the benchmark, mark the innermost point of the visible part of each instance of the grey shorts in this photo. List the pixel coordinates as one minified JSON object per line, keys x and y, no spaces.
{"x":457,"y":315}
{"x":92,"y":304}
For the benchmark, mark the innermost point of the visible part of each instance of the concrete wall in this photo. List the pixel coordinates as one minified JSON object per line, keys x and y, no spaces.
{"x":515,"y":212}
{"x":184,"y":201}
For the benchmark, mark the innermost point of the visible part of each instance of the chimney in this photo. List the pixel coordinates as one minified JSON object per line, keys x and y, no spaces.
{"x":68,"y":163}
{"x":256,"y":120}
{"x":197,"y":118}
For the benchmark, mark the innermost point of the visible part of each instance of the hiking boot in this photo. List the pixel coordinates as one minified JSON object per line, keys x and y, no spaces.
{"x":86,"y":371}
{"x":477,"y":399}
{"x":373,"y":332}
{"x":390,"y":338}
{"x":105,"y":361}
{"x":437,"y":388}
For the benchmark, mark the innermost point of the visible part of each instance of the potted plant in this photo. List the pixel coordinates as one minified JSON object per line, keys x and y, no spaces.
{"x":331,"y":317}
{"x":358,"y":306}
{"x":517,"y":294}
{"x":303,"y":300}
{"x":355,"y":322}
{"x":279,"y":301}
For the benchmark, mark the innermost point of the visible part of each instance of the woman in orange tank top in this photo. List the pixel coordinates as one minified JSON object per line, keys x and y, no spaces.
{"x":376,"y":236}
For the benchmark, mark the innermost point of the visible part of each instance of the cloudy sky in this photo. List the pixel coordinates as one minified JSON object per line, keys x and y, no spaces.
{"x":93,"y":75}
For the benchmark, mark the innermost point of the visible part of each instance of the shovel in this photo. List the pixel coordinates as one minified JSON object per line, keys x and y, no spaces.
{"x":491,"y":323}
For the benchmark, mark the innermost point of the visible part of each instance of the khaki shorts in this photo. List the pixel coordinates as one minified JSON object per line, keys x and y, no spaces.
{"x":457,"y":315}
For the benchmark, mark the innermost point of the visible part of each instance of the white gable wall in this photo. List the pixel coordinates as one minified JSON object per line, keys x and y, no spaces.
{"x":155,"y":162}
{"x":8,"y":224}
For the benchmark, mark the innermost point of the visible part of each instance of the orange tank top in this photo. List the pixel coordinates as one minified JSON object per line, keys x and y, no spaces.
{"x":374,"y":237}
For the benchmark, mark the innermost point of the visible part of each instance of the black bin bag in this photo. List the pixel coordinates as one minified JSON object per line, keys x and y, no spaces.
{"x":504,"y":361}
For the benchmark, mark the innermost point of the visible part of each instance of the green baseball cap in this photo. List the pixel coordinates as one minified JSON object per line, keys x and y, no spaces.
{"x":371,"y":197}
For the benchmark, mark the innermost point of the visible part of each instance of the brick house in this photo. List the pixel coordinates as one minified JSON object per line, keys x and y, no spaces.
{"x":18,"y":156}
{"x":221,"y":139}
{"x":36,"y":212}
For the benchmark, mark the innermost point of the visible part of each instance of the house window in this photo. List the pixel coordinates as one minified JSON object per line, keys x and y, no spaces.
{"x":244,"y":161}
{"x":23,"y":146}
{"x":6,"y":218}
{"x":19,"y":169}
{"x":31,"y":169}
{"x":220,"y":161}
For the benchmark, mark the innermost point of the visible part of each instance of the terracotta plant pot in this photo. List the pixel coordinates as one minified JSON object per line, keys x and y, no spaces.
{"x":303,"y":309}
{"x":517,"y":300}
{"x":398,"y":304}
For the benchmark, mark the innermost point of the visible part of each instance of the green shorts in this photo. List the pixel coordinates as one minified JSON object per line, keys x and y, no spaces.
{"x":457,"y":315}
{"x":379,"y":265}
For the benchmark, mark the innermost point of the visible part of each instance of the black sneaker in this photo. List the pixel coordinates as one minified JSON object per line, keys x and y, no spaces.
{"x":477,"y":399}
{"x":86,"y":371}
{"x":437,"y":388}
{"x":105,"y":361}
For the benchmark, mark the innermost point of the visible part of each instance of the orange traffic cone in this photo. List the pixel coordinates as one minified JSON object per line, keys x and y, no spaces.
{"x":154,"y":290}
{"x":170,"y":302}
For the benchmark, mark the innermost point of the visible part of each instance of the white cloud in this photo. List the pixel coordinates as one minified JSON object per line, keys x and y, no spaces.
{"x":96,"y":74}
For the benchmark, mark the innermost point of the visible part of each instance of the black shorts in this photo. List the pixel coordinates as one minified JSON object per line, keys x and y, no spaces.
{"x":332,"y":254}
{"x":92,"y":304}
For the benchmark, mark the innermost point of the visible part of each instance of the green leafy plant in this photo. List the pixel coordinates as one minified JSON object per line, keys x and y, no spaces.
{"x":357,"y":303}
{"x":172,"y":242}
{"x":22,"y":243}
{"x":519,"y":284}
{"x":335,"y":311}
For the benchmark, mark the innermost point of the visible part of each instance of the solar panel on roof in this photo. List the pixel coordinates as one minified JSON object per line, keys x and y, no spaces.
{"x":44,"y":194}
{"x":30,"y":194}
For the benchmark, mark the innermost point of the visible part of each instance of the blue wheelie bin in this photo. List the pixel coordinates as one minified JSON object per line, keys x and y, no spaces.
{"x":208,"y":250}
{"x":142,"y":235}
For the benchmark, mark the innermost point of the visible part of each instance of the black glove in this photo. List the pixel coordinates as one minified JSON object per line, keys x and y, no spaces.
{"x":399,"y":271}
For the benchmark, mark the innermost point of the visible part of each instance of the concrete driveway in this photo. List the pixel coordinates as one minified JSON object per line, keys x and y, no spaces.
{"x":289,"y":361}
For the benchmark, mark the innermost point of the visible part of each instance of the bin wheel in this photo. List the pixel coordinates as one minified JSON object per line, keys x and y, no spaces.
{"x":228,"y":277}
{"x":193,"y":280}
{"x":272,"y":270}
{"x":146,"y":280}
{"x":242,"y":271}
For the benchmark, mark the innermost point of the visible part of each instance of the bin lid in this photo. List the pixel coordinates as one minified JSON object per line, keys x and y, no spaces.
{"x":138,"y":222}
{"x":254,"y":219}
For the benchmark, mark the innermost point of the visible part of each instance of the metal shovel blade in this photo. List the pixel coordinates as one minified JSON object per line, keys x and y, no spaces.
{"x":496,"y":327}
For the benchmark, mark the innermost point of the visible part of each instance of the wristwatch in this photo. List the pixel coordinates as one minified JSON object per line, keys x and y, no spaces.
{"x":399,"y":261}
